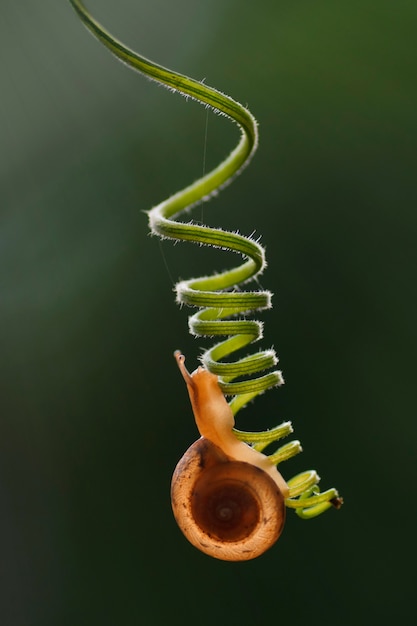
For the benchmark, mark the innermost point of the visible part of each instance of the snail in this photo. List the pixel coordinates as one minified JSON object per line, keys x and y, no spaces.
{"x":227,"y":498}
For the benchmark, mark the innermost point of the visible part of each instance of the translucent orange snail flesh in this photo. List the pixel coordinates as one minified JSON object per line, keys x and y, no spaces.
{"x":227,"y":498}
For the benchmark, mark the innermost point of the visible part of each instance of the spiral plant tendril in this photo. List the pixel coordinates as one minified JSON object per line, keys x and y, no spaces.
{"x":223,"y":306}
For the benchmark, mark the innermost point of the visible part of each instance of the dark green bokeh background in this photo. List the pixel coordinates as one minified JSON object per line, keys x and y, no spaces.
{"x":94,"y":415}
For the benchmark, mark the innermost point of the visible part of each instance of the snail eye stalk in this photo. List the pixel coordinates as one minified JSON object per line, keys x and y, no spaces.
{"x":228,"y":497}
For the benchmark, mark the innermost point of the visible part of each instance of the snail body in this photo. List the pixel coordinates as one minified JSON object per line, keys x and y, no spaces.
{"x":227,"y":498}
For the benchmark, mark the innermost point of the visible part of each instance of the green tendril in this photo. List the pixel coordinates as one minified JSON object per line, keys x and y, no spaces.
{"x":222,"y":304}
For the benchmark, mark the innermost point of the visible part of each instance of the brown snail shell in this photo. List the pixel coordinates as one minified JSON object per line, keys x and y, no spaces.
{"x":229,"y":509}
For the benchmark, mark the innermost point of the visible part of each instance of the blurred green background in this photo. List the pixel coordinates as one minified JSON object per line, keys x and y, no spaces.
{"x":94,"y":414}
